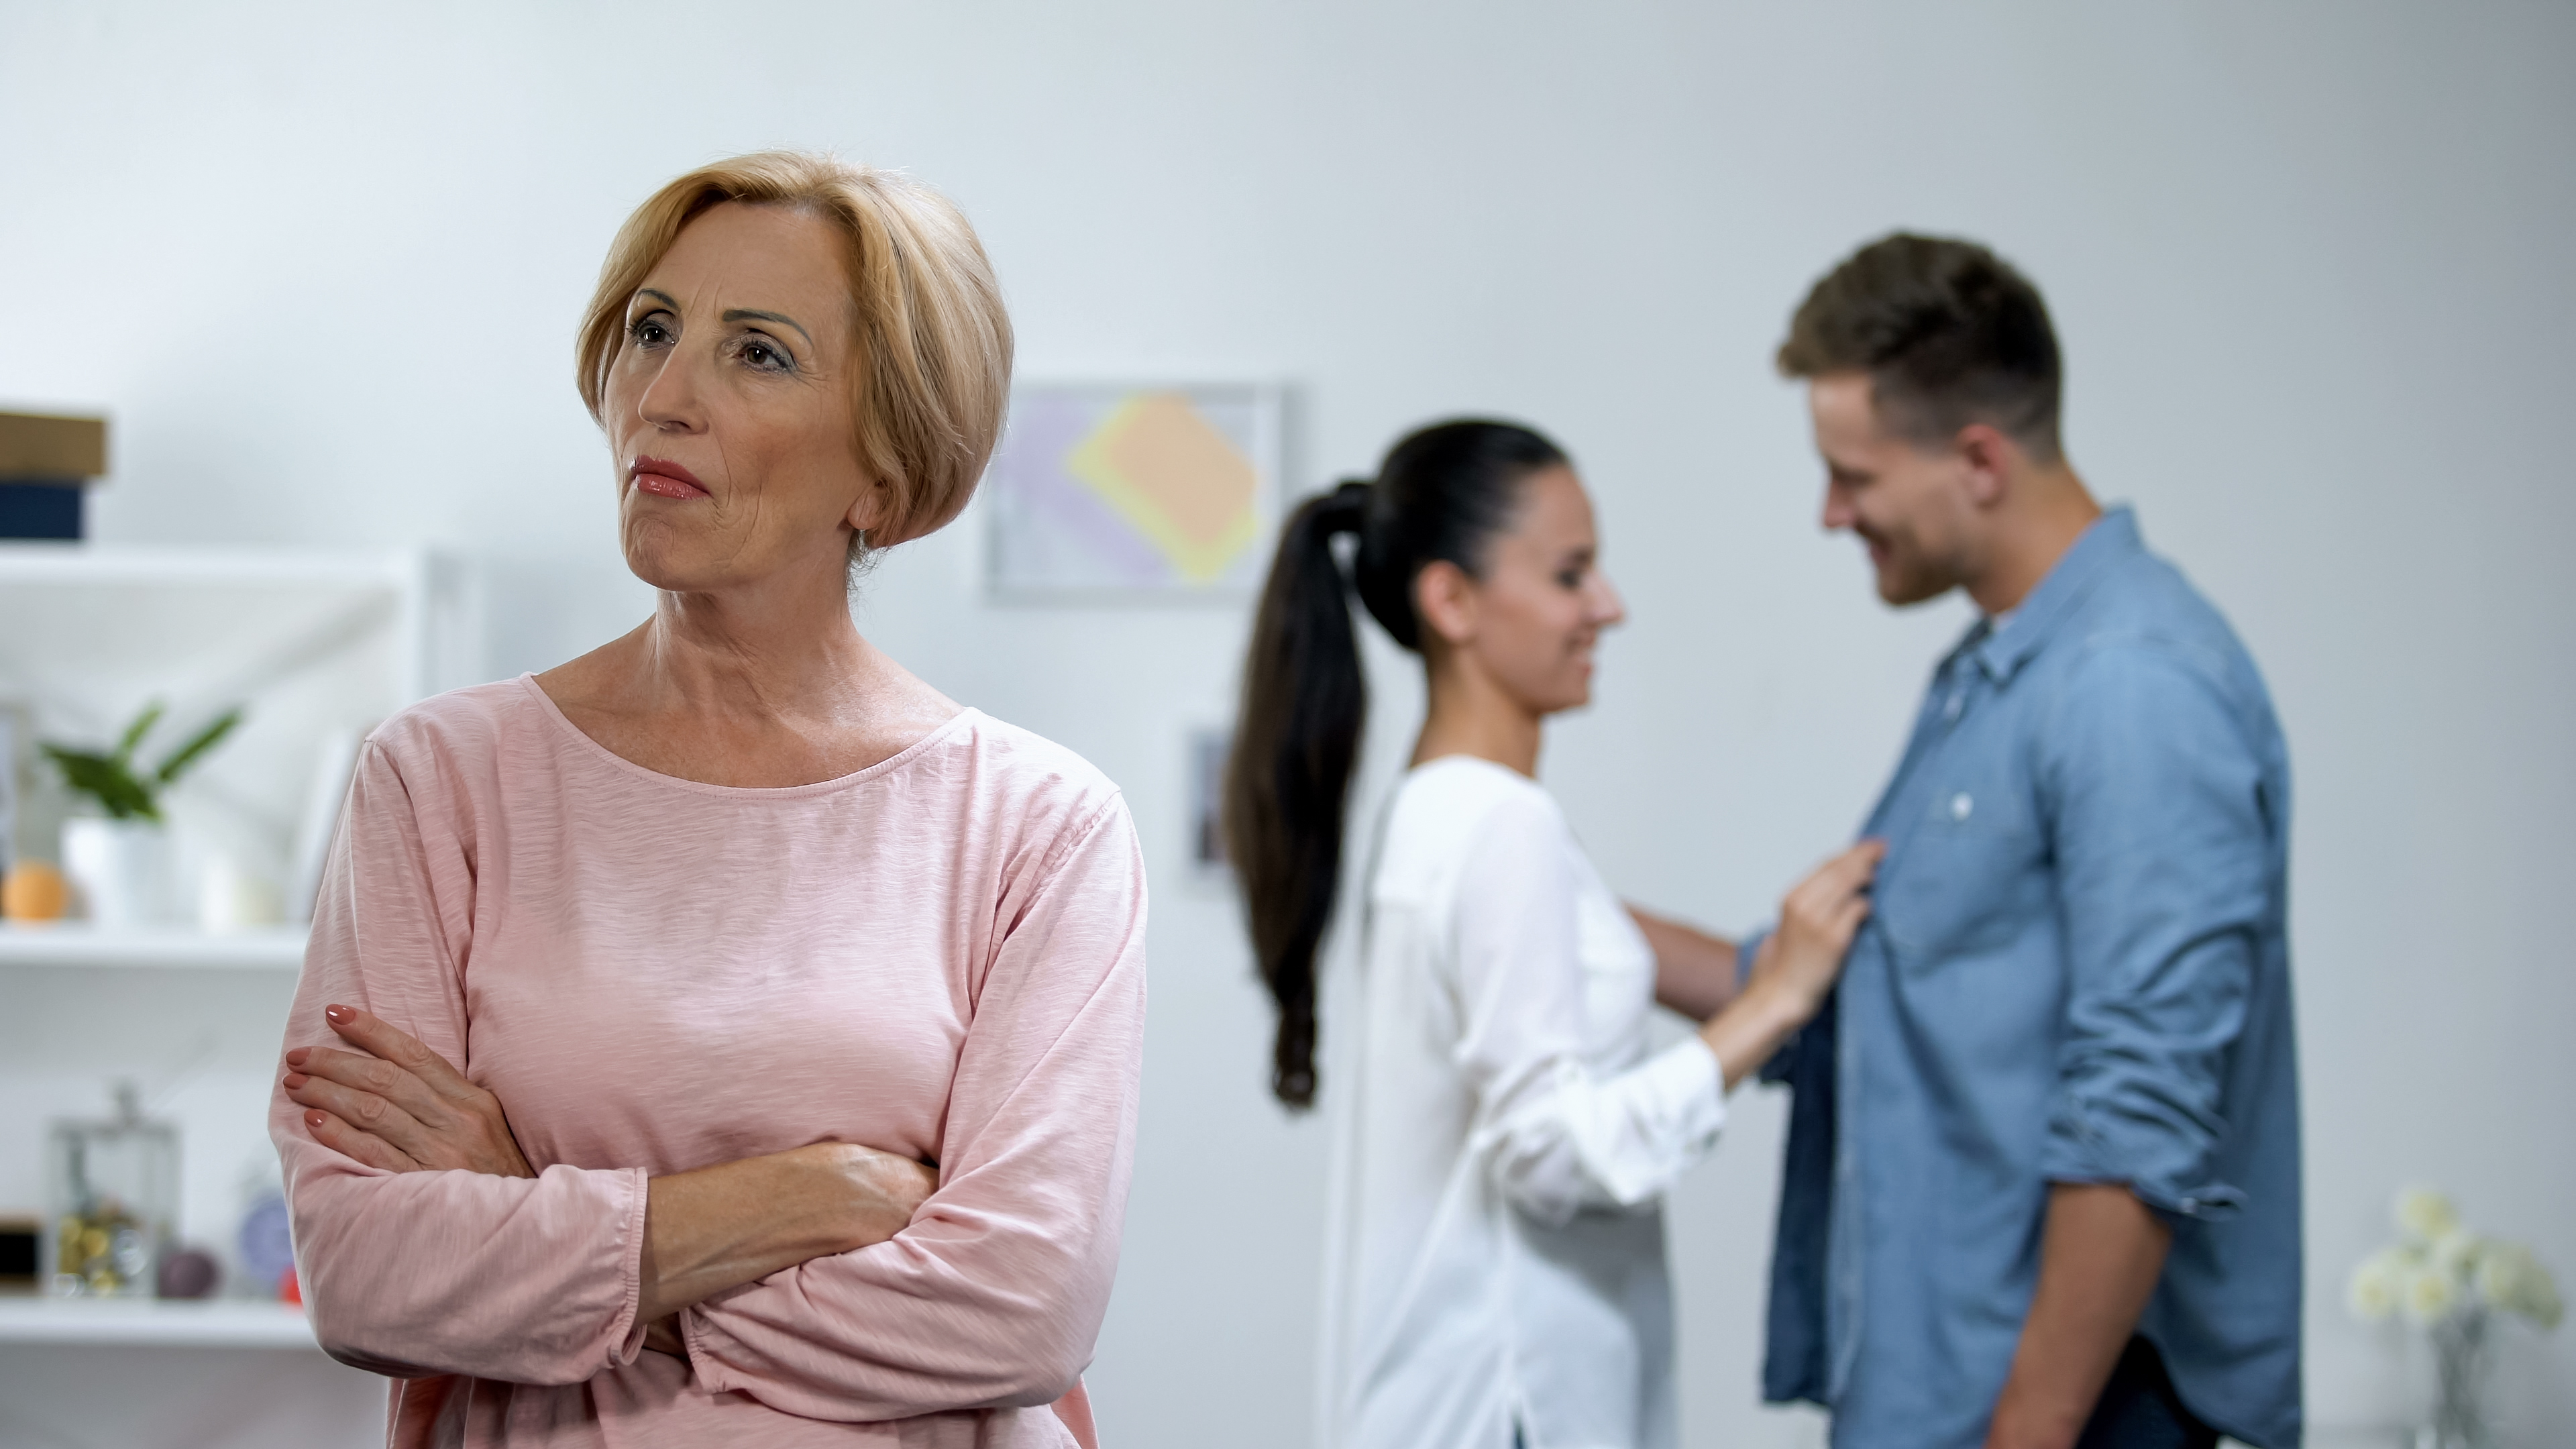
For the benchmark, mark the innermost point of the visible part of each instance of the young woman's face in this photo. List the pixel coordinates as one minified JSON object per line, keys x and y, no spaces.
{"x":1534,"y":616}
{"x":728,"y":405}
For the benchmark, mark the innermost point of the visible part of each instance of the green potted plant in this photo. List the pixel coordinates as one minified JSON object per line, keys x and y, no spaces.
{"x":119,"y":861}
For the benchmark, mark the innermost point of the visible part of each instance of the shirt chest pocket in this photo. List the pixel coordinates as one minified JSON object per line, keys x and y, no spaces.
{"x":1971,"y":877}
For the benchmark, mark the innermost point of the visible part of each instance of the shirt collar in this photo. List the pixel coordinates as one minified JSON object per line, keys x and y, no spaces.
{"x":2000,"y":651}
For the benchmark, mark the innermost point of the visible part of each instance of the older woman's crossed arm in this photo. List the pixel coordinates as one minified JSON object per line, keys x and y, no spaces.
{"x":404,"y":1108}
{"x":427,"y":1243}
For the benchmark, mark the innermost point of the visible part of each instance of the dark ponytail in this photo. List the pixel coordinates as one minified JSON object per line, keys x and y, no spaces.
{"x":1441,"y":495}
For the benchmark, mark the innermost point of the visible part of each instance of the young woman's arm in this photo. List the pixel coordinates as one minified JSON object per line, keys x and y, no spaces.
{"x":1696,"y":973}
{"x":1557,"y":1136}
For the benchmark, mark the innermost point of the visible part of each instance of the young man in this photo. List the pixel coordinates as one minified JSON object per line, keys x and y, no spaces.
{"x":2042,"y":1179}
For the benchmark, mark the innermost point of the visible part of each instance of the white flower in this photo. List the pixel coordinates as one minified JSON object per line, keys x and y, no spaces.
{"x":2454,"y":1253}
{"x":2541,"y":1304}
{"x":2430,"y":1295}
{"x":2511,"y":1278}
{"x":2372,"y":1291}
{"x":2500,"y":1272}
{"x":2425,"y":1213}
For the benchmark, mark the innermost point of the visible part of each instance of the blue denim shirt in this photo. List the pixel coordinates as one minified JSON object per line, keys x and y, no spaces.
{"x":2077,"y":970}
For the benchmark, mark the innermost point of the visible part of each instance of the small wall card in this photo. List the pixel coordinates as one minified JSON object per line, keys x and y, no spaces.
{"x":1104,"y":491}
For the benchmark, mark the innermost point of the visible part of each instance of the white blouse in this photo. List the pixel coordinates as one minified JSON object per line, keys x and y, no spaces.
{"x":1504,"y":1139}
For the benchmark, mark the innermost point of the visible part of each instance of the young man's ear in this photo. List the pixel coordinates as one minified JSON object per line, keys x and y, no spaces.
{"x":1988,"y":456}
{"x":1444,"y":600}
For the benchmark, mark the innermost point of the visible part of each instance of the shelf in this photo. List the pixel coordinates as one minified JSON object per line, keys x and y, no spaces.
{"x":161,"y":567}
{"x":151,"y":1323}
{"x":72,"y":943}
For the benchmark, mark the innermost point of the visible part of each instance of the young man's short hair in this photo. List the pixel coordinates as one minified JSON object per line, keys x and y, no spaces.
{"x":1949,"y":334}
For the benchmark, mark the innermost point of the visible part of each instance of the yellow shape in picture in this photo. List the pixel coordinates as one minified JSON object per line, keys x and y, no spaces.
{"x":1175,"y":479}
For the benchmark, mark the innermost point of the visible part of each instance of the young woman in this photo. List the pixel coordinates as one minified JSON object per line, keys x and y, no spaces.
{"x":1497,"y":1275}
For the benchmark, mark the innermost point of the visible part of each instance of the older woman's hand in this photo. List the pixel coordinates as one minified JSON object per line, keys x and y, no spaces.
{"x":401,"y":1107}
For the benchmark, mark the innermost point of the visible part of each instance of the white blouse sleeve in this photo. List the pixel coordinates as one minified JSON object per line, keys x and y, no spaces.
{"x":1555,"y":1138}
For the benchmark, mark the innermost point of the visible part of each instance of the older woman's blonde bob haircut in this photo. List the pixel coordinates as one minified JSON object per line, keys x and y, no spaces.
{"x":934,"y":365}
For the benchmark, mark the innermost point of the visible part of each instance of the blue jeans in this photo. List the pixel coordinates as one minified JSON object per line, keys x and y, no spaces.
{"x":2140,"y":1410}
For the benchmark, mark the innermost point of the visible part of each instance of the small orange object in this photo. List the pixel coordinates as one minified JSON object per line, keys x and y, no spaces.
{"x":290,"y":1291}
{"x":34,"y":891}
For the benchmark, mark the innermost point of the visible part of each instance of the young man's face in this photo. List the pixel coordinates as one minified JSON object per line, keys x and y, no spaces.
{"x":1909,"y":504}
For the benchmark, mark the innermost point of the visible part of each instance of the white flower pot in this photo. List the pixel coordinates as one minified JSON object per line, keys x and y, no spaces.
{"x":231,"y":898}
{"x":120,"y":869}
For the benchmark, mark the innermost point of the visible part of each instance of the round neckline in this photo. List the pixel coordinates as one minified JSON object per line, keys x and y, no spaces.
{"x":563,"y":722}
{"x":1495,"y":765}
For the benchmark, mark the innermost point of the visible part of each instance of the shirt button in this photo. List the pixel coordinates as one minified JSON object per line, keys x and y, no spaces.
{"x":1961,"y":806}
{"x":1957,"y":703}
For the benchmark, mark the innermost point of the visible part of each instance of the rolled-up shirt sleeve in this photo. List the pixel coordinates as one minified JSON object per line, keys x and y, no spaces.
{"x":2162,"y":835}
{"x":1556,"y":1136}
{"x":994,"y":1294}
{"x":531,"y":1281}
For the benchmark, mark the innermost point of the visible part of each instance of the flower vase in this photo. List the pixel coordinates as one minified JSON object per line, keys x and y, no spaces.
{"x":121,"y":868}
{"x":2460,"y":1364}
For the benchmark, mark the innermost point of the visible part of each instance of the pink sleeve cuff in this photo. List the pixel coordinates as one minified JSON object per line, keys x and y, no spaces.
{"x":627,"y":1329}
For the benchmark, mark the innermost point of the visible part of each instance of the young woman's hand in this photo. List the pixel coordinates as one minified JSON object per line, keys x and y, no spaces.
{"x":1817,"y":922}
{"x":401,"y":1107}
{"x":1797,"y":964}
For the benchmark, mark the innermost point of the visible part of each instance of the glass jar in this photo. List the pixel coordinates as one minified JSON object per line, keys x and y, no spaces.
{"x":115,"y":1202}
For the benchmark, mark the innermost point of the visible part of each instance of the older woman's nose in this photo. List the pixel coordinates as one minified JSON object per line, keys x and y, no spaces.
{"x":671,"y":400}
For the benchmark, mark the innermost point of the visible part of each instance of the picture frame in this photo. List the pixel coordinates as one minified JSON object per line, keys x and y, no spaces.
{"x":1134,"y":492}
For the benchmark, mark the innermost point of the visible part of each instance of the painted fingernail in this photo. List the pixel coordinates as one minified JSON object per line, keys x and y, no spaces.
{"x":296,"y":1057}
{"x":295,"y":1080}
{"x":339,"y":1015}
{"x":312,"y":1119}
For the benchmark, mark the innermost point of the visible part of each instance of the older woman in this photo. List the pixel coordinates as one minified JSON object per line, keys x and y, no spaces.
{"x":746,"y":1036}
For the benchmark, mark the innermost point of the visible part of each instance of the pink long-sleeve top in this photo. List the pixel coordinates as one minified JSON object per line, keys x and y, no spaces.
{"x":942,"y":955}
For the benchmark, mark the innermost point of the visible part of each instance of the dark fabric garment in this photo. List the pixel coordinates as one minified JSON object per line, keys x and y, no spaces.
{"x":2140,"y":1410}
{"x":1793,"y":1357}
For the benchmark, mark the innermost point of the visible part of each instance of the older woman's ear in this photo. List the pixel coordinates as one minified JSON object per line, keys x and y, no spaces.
{"x":875,"y":503}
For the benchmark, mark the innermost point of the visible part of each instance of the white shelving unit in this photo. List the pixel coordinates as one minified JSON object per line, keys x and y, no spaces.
{"x":317,"y":646}
{"x":146,"y":1323}
{"x":75,"y":943}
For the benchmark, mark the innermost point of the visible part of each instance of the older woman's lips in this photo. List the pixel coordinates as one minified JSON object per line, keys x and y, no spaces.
{"x":664,"y":480}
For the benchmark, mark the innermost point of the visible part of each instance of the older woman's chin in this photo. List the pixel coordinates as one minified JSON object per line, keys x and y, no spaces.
{"x":671,"y":571}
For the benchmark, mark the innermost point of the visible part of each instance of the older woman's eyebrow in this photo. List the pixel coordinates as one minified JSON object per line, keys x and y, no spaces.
{"x":746,"y":314}
{"x":736,"y":314}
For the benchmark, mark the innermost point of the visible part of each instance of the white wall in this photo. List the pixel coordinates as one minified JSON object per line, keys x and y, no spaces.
{"x":2307,"y":259}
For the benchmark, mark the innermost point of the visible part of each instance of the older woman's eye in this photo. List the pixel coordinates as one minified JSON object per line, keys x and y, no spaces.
{"x":648,"y":331}
{"x":767,"y":356}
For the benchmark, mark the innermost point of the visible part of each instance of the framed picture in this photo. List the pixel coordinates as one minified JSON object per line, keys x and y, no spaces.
{"x":1134,"y":492}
